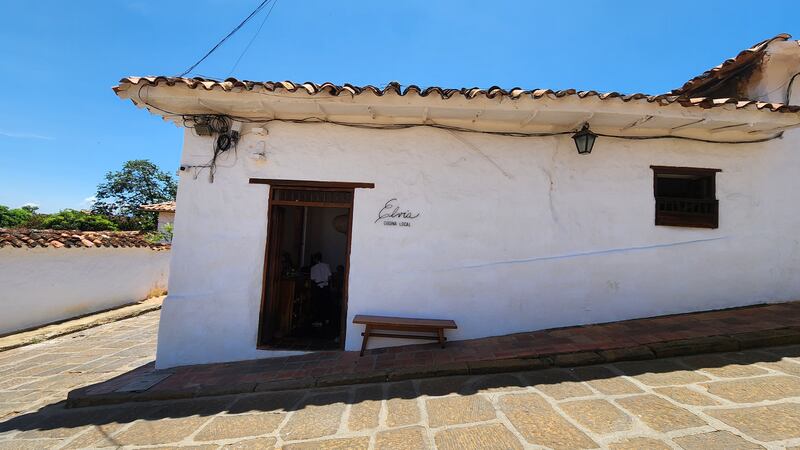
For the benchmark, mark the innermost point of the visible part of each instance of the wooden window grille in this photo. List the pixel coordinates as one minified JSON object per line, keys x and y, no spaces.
{"x":311,"y":196}
{"x":685,"y":197}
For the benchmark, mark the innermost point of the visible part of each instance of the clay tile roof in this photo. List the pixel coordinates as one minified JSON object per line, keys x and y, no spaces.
{"x":159,"y":207}
{"x":21,"y":238}
{"x":746,"y":58}
{"x":327,"y":88}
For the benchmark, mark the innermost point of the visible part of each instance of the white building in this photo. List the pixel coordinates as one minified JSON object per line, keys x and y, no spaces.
{"x":474,"y":205}
{"x":166,"y":213}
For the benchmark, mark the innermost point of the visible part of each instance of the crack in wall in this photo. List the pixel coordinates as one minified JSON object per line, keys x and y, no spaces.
{"x":581,"y":254}
{"x":481,"y":153}
{"x":549,"y":173}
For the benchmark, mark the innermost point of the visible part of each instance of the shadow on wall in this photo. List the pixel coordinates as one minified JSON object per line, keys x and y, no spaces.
{"x":544,"y":381}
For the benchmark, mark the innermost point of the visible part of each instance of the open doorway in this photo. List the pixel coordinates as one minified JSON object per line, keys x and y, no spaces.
{"x":307,"y":261}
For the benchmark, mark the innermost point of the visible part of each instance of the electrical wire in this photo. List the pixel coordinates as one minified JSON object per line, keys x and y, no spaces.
{"x":222,"y":41}
{"x":226,"y":139}
{"x":218,"y":79}
{"x":687,"y":138}
{"x":789,"y":88}
{"x":788,"y":84}
{"x":274,"y":2}
{"x":212,"y":165}
{"x":514,"y":134}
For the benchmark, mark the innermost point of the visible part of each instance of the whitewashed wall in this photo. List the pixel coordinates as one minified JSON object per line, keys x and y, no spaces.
{"x":514,"y":234}
{"x":43,"y":285}
{"x":164,"y":219}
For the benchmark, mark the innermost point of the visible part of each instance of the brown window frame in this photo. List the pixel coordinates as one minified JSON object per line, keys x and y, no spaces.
{"x":668,"y":209}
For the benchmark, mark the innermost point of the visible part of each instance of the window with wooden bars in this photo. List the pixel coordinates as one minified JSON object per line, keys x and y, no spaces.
{"x":686,"y":196}
{"x":311,"y":196}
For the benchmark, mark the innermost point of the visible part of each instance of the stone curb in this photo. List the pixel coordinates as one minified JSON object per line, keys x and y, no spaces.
{"x":638,"y":353}
{"x":680,"y":347}
{"x":713,"y":344}
{"x":769,"y":338}
{"x":508,"y":365}
{"x":69,"y":326}
{"x":577,"y":359}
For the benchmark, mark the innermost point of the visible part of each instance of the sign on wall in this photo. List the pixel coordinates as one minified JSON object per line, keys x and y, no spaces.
{"x":391,"y":215}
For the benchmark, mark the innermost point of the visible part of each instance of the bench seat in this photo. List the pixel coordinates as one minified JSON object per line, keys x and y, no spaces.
{"x":435,"y":327}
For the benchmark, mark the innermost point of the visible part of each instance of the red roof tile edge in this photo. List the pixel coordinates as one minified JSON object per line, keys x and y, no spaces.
{"x":395,"y":88}
{"x":22,"y":238}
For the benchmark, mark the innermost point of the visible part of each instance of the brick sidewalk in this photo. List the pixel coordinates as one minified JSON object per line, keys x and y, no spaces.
{"x":685,"y":334}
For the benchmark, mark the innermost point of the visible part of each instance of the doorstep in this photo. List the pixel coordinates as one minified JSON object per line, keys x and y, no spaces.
{"x":656,"y":337}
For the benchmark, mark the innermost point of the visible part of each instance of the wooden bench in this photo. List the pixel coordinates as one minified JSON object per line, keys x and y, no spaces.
{"x":434,"y":326}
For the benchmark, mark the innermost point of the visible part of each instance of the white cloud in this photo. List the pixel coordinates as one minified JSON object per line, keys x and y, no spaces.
{"x":35,"y":205}
{"x":89,"y":201}
{"x":17,"y":135}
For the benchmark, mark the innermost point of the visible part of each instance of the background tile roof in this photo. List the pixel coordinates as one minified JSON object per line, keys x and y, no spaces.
{"x":159,"y":207}
{"x":732,"y":66}
{"x":20,"y":238}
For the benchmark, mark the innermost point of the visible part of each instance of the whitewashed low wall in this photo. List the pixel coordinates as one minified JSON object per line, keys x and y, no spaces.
{"x":44,"y":285}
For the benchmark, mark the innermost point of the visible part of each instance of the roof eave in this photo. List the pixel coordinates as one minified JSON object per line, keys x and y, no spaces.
{"x":482,"y":110}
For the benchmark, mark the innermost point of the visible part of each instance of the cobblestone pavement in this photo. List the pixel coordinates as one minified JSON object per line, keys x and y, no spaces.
{"x":41,"y":374}
{"x":739,"y":400}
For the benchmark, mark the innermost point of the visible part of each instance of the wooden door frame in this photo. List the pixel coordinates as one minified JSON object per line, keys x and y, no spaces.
{"x":312,"y":185}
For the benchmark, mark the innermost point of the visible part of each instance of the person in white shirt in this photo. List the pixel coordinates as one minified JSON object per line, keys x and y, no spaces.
{"x":320,"y":271}
{"x":320,"y":291}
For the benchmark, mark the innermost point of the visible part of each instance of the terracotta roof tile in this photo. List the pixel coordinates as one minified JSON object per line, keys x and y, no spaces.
{"x":233,"y":84}
{"x":728,"y":67}
{"x":21,"y":238}
{"x":159,"y":207}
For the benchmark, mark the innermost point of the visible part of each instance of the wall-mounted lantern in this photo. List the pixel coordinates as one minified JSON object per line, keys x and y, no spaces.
{"x":584,"y":140}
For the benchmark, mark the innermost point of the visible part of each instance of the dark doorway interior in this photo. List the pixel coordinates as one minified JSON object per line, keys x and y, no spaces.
{"x":307,"y":257}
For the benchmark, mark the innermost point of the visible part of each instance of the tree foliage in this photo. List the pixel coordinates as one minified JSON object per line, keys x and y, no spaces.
{"x":117,"y":207}
{"x":67,"y":219}
{"x":12,"y":218}
{"x":139,"y":182}
{"x":70,"y":219}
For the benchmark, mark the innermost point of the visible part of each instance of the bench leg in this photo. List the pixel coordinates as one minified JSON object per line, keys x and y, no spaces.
{"x":364,"y":341}
{"x":441,"y":337}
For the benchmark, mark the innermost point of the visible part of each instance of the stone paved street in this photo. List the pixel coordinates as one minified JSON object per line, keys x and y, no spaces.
{"x":739,"y":400}
{"x":43,"y":373}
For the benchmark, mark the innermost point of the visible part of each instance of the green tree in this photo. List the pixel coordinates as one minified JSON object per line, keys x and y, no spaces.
{"x":35,"y":219}
{"x":13,"y":218}
{"x":139,"y":182}
{"x":70,"y":219}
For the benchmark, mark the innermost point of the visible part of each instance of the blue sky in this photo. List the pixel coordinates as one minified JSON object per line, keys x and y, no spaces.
{"x":62,"y":128}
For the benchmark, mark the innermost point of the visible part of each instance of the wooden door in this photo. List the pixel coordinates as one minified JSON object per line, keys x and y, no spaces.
{"x":271,"y":315}
{"x":289,"y":193}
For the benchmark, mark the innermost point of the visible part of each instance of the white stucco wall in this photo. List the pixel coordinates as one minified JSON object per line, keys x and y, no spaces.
{"x":514,"y":234}
{"x":43,"y":285}
{"x":164,"y":219}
